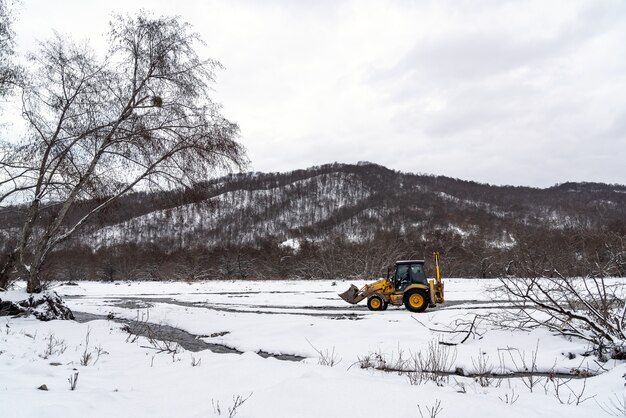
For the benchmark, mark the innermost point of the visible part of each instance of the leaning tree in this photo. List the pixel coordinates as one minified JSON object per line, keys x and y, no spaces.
{"x":102,"y":126}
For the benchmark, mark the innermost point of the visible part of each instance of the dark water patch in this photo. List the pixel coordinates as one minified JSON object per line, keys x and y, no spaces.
{"x":188,"y":341}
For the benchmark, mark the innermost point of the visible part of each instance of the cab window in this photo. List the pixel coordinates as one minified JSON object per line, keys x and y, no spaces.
{"x":402,"y":277}
{"x":417,"y":273}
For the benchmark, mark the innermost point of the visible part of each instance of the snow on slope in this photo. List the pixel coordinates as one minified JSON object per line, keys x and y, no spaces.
{"x":247,"y":208}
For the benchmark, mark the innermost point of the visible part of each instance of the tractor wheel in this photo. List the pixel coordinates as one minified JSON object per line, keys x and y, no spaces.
{"x":416,"y":300}
{"x":375,"y":303}
{"x":385,"y":305}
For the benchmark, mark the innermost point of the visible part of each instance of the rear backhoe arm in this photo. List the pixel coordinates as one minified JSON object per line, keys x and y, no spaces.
{"x":437,"y":286}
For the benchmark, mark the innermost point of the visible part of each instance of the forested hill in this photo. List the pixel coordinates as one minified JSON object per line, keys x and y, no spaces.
{"x":341,"y":220}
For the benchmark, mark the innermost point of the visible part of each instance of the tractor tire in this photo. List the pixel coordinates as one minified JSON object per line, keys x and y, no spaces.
{"x":385,"y":305}
{"x":416,"y":300}
{"x":375,"y":303}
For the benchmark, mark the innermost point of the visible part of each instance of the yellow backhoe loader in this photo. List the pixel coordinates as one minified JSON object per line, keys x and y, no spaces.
{"x":407,"y":286}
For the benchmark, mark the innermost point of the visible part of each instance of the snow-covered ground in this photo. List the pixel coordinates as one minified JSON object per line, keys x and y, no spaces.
{"x":131,"y":378}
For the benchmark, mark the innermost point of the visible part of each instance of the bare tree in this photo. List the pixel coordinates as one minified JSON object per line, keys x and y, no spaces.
{"x":10,"y":168}
{"x":591,"y":308}
{"x":99,"y":128}
{"x":8,"y":69}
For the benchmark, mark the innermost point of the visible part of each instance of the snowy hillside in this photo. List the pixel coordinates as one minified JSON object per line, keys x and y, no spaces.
{"x":355,"y":201}
{"x":240,"y":215}
{"x":350,"y":220}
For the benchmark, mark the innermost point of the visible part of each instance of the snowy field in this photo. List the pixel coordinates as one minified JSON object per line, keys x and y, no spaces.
{"x":131,"y":376}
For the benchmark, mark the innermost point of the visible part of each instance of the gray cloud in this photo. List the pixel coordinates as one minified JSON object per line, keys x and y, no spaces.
{"x":512,"y":92}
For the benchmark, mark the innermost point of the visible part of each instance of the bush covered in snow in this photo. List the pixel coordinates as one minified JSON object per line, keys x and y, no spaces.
{"x":44,"y":306}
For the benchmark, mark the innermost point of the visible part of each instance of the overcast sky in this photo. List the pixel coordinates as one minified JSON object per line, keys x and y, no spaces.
{"x":503,"y":92}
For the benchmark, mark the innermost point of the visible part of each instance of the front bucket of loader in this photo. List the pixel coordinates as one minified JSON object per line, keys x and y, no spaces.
{"x":352,"y":295}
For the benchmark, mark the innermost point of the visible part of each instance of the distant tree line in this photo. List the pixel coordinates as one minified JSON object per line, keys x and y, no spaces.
{"x":570,"y":252}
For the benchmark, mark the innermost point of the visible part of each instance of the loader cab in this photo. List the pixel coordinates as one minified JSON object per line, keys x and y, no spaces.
{"x":408,"y":272}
